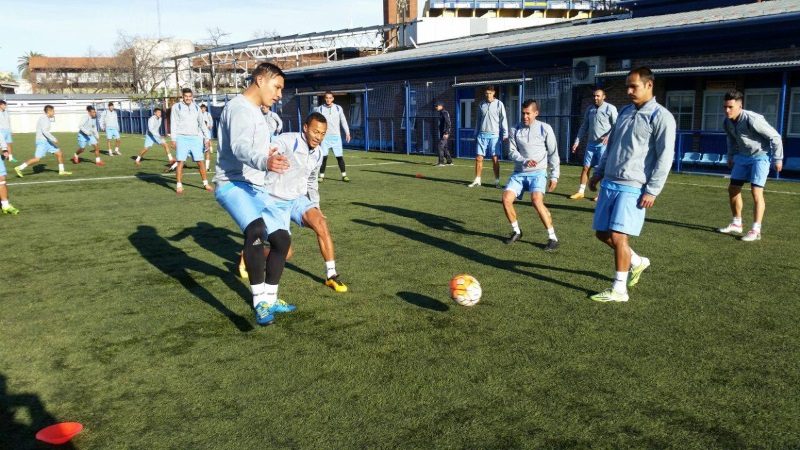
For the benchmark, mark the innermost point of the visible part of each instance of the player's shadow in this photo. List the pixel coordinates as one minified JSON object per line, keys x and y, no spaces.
{"x":526,"y":201}
{"x":519,"y":267}
{"x":18,"y":435}
{"x":422,"y":301}
{"x":176,"y":263}
{"x":429,"y":220}
{"x":425,"y":177}
{"x":158,"y":180}
{"x":42,"y":168}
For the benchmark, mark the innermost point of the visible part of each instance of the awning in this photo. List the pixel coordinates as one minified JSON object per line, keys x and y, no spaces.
{"x":749,"y":67}
{"x":335,"y":92}
{"x":486,"y":82}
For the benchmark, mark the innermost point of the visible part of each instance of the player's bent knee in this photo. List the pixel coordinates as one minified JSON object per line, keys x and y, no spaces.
{"x":257,"y":229}
{"x":280,"y":241}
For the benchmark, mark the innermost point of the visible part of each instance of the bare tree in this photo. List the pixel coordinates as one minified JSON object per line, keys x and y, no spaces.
{"x":216,"y":37}
{"x":142,"y":61}
{"x":262,"y":34}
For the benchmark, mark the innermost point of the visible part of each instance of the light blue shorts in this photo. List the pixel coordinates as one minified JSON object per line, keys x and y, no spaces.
{"x":43,"y":148}
{"x":750,"y":169}
{"x":593,"y":153}
{"x":2,"y":168}
{"x":618,"y":209}
{"x":112,"y":133}
{"x":489,"y":145}
{"x":520,"y":182}
{"x":189,"y":145}
{"x":277,"y":213}
{"x":149,"y":141}
{"x":332,"y":142}
{"x":243,"y":201}
{"x":84,"y":140}
{"x":7,"y":136}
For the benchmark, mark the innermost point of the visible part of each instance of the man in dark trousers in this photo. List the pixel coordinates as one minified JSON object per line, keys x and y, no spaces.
{"x":443,"y":127}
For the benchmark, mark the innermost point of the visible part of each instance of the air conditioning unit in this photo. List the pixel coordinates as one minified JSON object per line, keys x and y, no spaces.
{"x":585,"y":69}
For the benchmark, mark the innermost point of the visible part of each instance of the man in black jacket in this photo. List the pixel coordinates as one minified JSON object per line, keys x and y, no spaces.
{"x":443,"y":127}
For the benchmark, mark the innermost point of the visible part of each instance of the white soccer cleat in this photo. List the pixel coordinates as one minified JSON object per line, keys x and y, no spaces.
{"x":475,"y":183}
{"x":732,"y":228}
{"x":751,"y":236}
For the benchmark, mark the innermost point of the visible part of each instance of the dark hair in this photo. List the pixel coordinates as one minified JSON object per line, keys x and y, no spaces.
{"x":2,"y":102}
{"x":530,"y":102}
{"x":90,"y":108}
{"x":186,"y":91}
{"x":157,"y":109}
{"x":645,"y":74}
{"x":48,"y":108}
{"x":599,"y":89}
{"x":204,"y":106}
{"x":315,"y":116}
{"x":110,"y":103}
{"x":490,"y":88}
{"x":268,"y":69}
{"x":734,"y":95}
{"x":327,"y":92}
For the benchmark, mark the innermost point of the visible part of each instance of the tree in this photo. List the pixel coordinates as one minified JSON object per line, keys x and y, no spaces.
{"x":142,"y":60}
{"x":23,"y":63}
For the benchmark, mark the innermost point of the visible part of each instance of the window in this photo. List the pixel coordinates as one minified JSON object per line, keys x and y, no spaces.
{"x":713,"y":110}
{"x":794,"y":113}
{"x":681,"y":105}
{"x":468,"y":110}
{"x":764,"y":102}
{"x":355,"y":110}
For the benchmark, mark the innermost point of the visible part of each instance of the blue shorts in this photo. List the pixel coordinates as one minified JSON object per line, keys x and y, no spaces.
{"x":84,"y":140}
{"x":43,"y":148}
{"x":618,"y":209}
{"x":750,"y":169}
{"x":489,"y":145}
{"x":2,"y":168}
{"x":521,"y":182}
{"x":7,"y":136}
{"x":332,"y":142}
{"x":243,"y":201}
{"x":277,"y":213}
{"x":189,"y":145}
{"x":112,"y":133}
{"x":593,"y":153}
{"x":149,"y":141}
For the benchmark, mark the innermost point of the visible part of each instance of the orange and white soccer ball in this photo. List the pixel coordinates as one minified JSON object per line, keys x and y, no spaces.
{"x":465,"y":290}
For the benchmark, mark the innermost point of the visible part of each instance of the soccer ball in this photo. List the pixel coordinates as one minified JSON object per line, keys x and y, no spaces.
{"x":465,"y":290}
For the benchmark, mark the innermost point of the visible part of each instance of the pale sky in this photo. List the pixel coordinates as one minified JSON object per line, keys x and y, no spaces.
{"x":76,"y":28}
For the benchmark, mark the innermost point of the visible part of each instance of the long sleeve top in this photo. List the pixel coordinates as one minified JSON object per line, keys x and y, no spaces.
{"x":110,"y":119}
{"x":335,"y":117}
{"x":301,"y":177}
{"x":492,"y":119}
{"x":43,"y":130}
{"x":752,"y":135}
{"x":186,"y":120}
{"x":154,"y":129}
{"x":88,"y":127}
{"x":443,"y":125}
{"x":5,"y":121}
{"x":597,"y":122}
{"x":536,"y":142}
{"x":243,"y":143}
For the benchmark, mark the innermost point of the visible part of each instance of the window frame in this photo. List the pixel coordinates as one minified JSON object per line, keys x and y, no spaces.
{"x":721,"y":112}
{"x":683,"y":93}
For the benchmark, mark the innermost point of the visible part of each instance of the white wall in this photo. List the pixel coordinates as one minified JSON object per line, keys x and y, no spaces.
{"x":69,"y":113}
{"x":432,"y":29}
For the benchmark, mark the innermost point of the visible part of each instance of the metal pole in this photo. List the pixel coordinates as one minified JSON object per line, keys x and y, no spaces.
{"x":457,"y":127}
{"x":366,"y":118}
{"x":408,"y":118}
{"x":782,"y":109}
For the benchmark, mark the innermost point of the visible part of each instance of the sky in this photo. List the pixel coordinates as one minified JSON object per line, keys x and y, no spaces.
{"x":90,"y":27}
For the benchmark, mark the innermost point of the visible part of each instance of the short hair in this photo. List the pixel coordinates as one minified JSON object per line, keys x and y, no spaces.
{"x":268,"y":69}
{"x":186,"y":91}
{"x":48,"y":108}
{"x":90,"y":108}
{"x":734,"y":95}
{"x":328,"y":92}
{"x":598,"y":89}
{"x":203,"y":106}
{"x":530,"y":102}
{"x":315,"y":116}
{"x":645,"y":74}
{"x":2,"y":102}
{"x":157,"y":110}
{"x":110,"y":103}
{"x":490,"y":88}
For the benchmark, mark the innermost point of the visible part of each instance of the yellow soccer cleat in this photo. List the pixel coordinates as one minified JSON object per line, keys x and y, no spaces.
{"x":242,"y":269}
{"x":576,"y":196}
{"x":336,"y":284}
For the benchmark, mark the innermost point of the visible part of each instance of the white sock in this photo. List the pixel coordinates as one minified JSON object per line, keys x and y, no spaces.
{"x":636,"y":260}
{"x":205,"y":182}
{"x":551,"y":234}
{"x":270,"y":293}
{"x":259,"y":293}
{"x":497,"y":181}
{"x":97,"y":159}
{"x":4,"y":203}
{"x":737,"y":221}
{"x":515,"y":227}
{"x":139,"y":158}
{"x":178,"y":185}
{"x":757,"y":226}
{"x":60,"y":167}
{"x":22,"y":166}
{"x":208,"y":164}
{"x":621,"y":283}
{"x":330,"y":268}
{"x":173,"y":166}
{"x":74,"y":155}
{"x":169,"y":156}
{"x":344,"y":174}
{"x":477,"y":179}
{"x":582,"y":189}
{"x":116,"y":149}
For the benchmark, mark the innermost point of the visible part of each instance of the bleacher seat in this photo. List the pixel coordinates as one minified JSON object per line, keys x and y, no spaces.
{"x":709,"y":159}
{"x":690,"y":158}
{"x":723,"y":160}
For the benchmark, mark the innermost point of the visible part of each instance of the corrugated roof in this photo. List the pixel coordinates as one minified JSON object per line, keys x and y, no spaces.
{"x":709,"y":69}
{"x":536,"y":37}
{"x":57,"y":62}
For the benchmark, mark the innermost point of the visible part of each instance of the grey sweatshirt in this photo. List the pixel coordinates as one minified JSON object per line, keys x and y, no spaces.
{"x":5,"y":121}
{"x":43,"y":130}
{"x":597,"y":122}
{"x":274,"y":122}
{"x":154,"y":129}
{"x":304,"y":164}
{"x":641,"y":148}
{"x":3,"y":145}
{"x":89,"y":127}
{"x":536,"y":142}
{"x":243,"y":143}
{"x":752,"y":135}
{"x":335,"y":117}
{"x":492,"y":119}
{"x":208,"y":123}
{"x":110,"y":120}
{"x":186,"y":120}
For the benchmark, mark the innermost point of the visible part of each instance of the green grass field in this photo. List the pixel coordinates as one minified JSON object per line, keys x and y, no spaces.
{"x":121,"y":310}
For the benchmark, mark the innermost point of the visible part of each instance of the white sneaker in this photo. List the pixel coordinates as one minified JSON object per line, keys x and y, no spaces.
{"x":732,"y":228}
{"x":111,"y":153}
{"x":118,"y":152}
{"x":475,"y":183}
{"x":497,"y":183}
{"x":751,"y":236}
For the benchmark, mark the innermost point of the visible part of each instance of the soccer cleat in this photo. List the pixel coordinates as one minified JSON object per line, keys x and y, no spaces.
{"x":438,"y":165}
{"x":751,"y":236}
{"x":110,"y":153}
{"x":99,"y":164}
{"x":179,"y":190}
{"x":552,"y":245}
{"x":497,"y":184}
{"x":336,"y":284}
{"x":320,"y":179}
{"x":10,"y":210}
{"x":281,"y":307}
{"x":75,"y":159}
{"x":576,"y":196}
{"x":64,"y":172}
{"x":450,"y":164}
{"x":513,"y":237}
{"x":474,"y":183}
{"x":243,"y":269}
{"x":117,"y":152}
{"x":730,"y":229}
{"x":346,"y":179}
{"x":208,"y":188}
{"x":263,"y":314}
{"x":609,"y":295}
{"x":636,"y":272}
{"x":138,"y":163}
{"x":19,"y":172}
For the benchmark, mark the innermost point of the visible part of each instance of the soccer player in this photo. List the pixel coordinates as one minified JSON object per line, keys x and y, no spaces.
{"x":596,"y":126}
{"x":45,"y":143}
{"x":242,"y":163}
{"x":153,"y":136}
{"x":274,"y":122}
{"x":334,"y":114}
{"x":88,"y":135}
{"x":634,"y":169}
{"x":7,"y":207}
{"x":187,"y":131}
{"x":750,"y":141}
{"x":208,"y":121}
{"x":492,"y":123}
{"x":110,"y":123}
{"x":533,"y":148}
{"x":443,"y":128}
{"x":5,"y":131}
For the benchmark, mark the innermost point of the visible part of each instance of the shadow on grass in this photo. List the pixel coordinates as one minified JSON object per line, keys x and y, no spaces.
{"x":422,"y":301}
{"x":427,"y":178}
{"x":526,"y":202}
{"x":158,"y":180}
{"x":18,"y":435}
{"x":174,"y":262}
{"x":518,"y":267}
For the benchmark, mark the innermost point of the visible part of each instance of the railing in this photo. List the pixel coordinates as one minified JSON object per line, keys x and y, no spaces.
{"x":521,"y":4}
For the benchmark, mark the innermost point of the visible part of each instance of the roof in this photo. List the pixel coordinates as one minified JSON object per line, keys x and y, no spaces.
{"x":75,"y":63}
{"x":579,"y":40}
{"x":643,"y":8}
{"x":750,"y":67}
